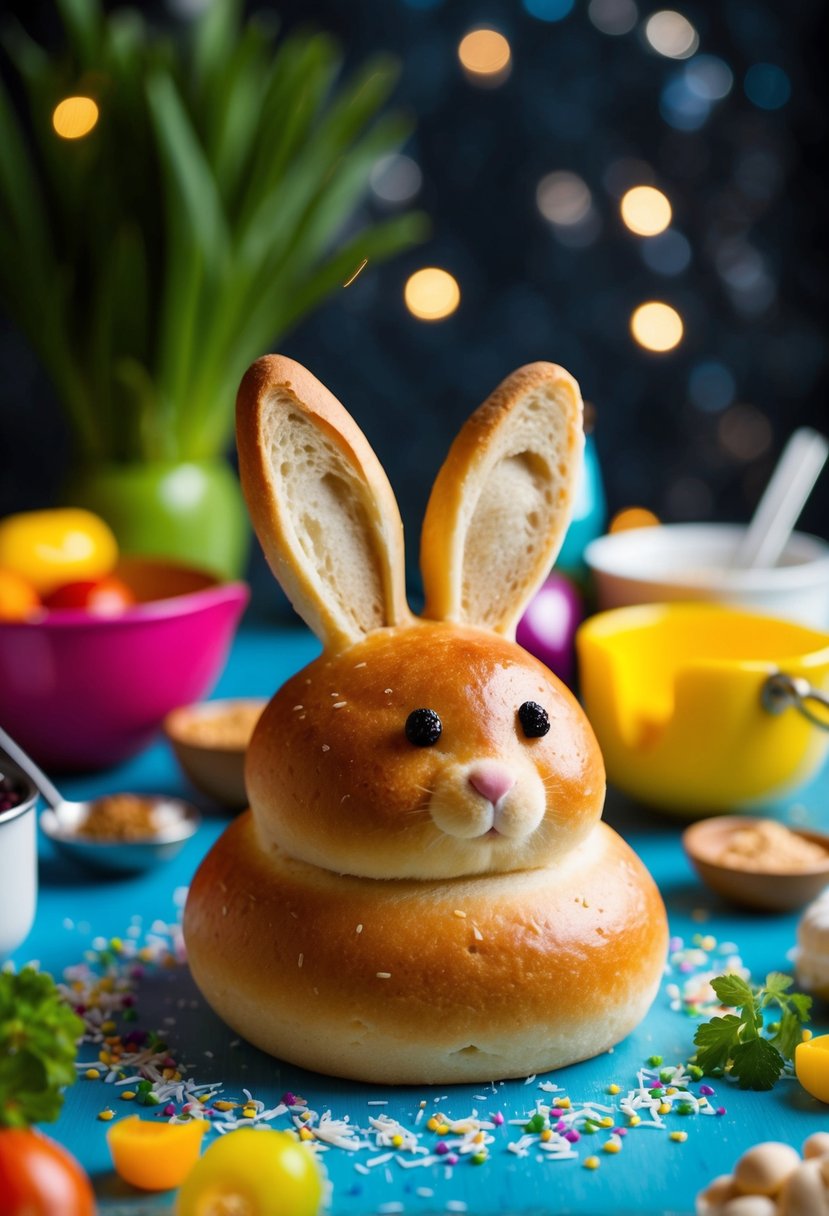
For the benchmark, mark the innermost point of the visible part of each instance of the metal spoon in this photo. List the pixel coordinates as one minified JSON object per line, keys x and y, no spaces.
{"x":177,"y":821}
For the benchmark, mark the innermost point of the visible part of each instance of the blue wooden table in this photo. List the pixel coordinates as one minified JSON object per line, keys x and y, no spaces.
{"x":78,"y":916}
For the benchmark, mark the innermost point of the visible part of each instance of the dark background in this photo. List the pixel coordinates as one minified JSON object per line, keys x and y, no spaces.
{"x":691,"y":434}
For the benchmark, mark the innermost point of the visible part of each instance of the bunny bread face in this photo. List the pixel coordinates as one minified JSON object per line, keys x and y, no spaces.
{"x":430,"y":748}
{"x":422,"y":872}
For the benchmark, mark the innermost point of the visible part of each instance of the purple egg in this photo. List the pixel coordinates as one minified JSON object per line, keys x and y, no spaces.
{"x":548,"y":626}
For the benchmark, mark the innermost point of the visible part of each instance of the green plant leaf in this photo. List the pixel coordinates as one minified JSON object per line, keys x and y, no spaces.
{"x":118,"y":329}
{"x":716,"y":1041}
{"x":239,"y":163}
{"x":801,"y":1005}
{"x":38,"y":1037}
{"x":239,"y":98}
{"x":348,"y":185}
{"x":776,"y":986}
{"x":83,"y":22}
{"x":281,"y":306}
{"x":215,"y":30}
{"x":196,"y":245}
{"x":303,"y":72}
{"x":316,"y":162}
{"x":789,"y":1034}
{"x":733,"y":990}
{"x":757,"y":1064}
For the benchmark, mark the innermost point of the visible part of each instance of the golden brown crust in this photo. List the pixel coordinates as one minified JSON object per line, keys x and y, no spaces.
{"x":408,"y":982}
{"x":273,"y":391}
{"x":502,"y":500}
{"x":334,"y":781}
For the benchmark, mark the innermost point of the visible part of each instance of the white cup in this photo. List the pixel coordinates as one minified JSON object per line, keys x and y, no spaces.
{"x":18,"y":864}
{"x":695,"y":562}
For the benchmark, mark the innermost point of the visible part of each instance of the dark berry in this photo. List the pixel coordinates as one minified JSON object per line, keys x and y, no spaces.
{"x":534,"y":720}
{"x":423,"y":727}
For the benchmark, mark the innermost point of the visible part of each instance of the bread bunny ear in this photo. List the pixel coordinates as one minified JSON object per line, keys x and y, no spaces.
{"x":321,"y":504}
{"x":501,"y":503}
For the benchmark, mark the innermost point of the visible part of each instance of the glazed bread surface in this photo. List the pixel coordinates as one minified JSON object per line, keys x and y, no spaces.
{"x":404,"y":982}
{"x":333,"y":780}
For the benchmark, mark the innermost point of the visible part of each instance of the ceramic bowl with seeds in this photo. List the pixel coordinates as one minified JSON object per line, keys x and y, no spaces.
{"x":209,"y":740}
{"x":759,"y":863}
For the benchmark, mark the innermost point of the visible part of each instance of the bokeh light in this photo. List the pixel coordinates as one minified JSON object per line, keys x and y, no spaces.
{"x":396,"y":179}
{"x":656,"y":326}
{"x":563,"y":198}
{"x":485,"y":56}
{"x":549,"y":10}
{"x":745,"y":272}
{"x":668,"y":254}
{"x":744,"y":432}
{"x":431,"y":294}
{"x":671,"y":34}
{"x":767,"y":86}
{"x":711,"y":386}
{"x":632,"y":517}
{"x":646,"y":210}
{"x":682,"y":107}
{"x":709,"y":77}
{"x":75,"y":117}
{"x":613,"y":16}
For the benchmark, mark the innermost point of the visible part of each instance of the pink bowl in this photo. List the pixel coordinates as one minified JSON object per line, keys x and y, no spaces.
{"x":83,"y":692}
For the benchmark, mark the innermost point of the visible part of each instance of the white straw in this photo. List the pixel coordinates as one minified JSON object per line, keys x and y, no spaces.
{"x":785,"y":496}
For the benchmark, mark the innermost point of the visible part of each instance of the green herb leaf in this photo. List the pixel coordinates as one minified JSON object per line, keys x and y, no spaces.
{"x":740,"y":1043}
{"x":789,"y":1034}
{"x":801,"y":1005}
{"x":716,"y":1041}
{"x":733,"y":990}
{"x":757,"y":1064}
{"x":776,"y":985}
{"x":38,"y":1047}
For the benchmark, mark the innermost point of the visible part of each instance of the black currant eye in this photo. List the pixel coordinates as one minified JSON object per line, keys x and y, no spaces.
{"x":534,"y":719}
{"x":423,"y":727}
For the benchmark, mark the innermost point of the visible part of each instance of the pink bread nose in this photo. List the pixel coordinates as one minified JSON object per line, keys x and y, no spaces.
{"x":492,"y":780}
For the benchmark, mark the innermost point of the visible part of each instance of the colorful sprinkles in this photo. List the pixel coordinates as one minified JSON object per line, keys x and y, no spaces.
{"x":143,"y":1070}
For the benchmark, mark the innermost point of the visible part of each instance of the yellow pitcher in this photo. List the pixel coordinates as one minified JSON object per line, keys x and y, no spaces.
{"x":700,"y":708}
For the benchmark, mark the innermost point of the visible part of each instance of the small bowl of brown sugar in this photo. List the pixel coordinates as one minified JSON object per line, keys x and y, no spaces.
{"x":121,"y":833}
{"x":759,"y":863}
{"x":209,"y":740}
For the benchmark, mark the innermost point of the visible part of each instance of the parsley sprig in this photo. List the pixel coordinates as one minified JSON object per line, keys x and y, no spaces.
{"x":740,"y":1043}
{"x":38,"y":1046}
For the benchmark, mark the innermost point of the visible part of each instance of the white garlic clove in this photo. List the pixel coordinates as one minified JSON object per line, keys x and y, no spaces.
{"x":718,"y":1192}
{"x":749,"y":1205}
{"x":804,"y":1192}
{"x":816,"y":1146}
{"x":765,"y":1167}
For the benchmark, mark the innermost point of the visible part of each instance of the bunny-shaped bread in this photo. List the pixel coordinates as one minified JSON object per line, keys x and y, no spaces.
{"x":423,"y":856}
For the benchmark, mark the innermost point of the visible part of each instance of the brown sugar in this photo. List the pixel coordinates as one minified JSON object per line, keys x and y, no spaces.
{"x":231,"y":727}
{"x":120,"y":817}
{"x":772,"y":848}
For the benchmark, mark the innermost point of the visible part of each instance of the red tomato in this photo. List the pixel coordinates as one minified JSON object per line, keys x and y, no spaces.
{"x":102,"y":597}
{"x":39,"y":1178}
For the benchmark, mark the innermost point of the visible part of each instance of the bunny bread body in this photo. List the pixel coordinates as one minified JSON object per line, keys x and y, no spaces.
{"x":422,"y":890}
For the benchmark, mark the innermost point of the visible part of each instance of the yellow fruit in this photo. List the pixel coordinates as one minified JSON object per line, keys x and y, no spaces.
{"x":49,"y":548}
{"x":258,"y":1173}
{"x":18,"y":599}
